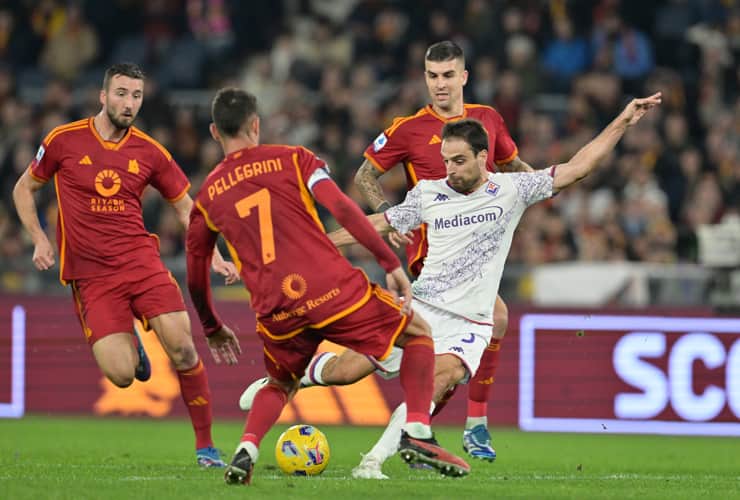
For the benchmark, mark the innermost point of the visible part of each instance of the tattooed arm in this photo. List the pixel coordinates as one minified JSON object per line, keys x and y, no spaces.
{"x":367,"y":183}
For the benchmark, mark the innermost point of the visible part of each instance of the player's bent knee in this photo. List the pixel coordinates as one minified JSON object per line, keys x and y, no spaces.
{"x":448,"y":371}
{"x":120,"y":380}
{"x":452,"y":376}
{"x":184,"y":356}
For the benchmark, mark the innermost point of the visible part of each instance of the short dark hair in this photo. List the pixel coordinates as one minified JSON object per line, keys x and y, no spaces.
{"x":444,"y":51}
{"x":128,"y":69}
{"x":231,"y":108}
{"x":470,"y":131}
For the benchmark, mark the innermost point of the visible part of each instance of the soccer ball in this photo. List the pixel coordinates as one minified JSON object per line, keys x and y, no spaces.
{"x":302,"y":450}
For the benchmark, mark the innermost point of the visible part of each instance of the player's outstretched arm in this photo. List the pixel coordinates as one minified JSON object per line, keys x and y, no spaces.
{"x":25,"y":205}
{"x":589,"y":156}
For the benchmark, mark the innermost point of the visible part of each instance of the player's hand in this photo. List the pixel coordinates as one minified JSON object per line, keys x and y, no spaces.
{"x":637,"y":108}
{"x":399,"y":239}
{"x":224,"y":345}
{"x":400,"y":286}
{"x":225,"y":268}
{"x":43,"y":254}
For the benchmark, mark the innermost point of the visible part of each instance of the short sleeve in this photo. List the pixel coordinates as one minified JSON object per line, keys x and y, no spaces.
{"x":388,"y":149}
{"x":168,"y":178}
{"x":505,"y":147}
{"x":533,"y":186}
{"x":45,"y":164}
{"x":407,"y":215}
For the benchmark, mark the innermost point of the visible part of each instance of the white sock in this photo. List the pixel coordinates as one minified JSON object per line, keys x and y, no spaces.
{"x":251,"y":449}
{"x":471,"y":422}
{"x":418,"y":430}
{"x":315,"y":367}
{"x":387,"y":445}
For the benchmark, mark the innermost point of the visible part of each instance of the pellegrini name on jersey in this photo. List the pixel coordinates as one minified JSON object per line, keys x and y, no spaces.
{"x":469,"y":237}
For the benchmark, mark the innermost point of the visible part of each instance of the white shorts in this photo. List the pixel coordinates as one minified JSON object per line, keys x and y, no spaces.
{"x":452,"y":334}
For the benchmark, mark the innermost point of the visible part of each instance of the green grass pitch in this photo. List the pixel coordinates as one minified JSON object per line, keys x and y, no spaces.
{"x":75,"y":458}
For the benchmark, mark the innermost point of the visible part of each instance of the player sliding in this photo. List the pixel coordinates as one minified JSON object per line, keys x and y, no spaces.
{"x":261,"y":198}
{"x":471,"y":216}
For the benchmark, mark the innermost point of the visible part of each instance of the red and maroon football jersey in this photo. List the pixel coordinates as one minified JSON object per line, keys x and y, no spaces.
{"x":259,"y":199}
{"x":415,"y":141}
{"x":99,"y":185}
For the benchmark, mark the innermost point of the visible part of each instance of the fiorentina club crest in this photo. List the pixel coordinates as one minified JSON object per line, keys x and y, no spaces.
{"x":492,"y":188}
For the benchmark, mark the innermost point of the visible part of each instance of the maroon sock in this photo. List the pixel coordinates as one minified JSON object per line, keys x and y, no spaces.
{"x":197,"y":397}
{"x":266,"y":408}
{"x":480,"y":385}
{"x":417,"y":378}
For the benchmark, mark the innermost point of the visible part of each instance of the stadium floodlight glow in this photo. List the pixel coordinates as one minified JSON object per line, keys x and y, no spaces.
{"x":529,"y":325}
{"x":16,"y":407}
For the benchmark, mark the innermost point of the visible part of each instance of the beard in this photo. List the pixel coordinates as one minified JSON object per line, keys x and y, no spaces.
{"x":120,"y":122}
{"x":466,"y":186}
{"x":462,"y":186}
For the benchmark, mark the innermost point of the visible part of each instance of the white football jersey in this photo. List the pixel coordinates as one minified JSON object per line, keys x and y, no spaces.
{"x":469,"y":237}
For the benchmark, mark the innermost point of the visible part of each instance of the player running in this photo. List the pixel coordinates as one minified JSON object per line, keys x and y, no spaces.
{"x":100,"y":167}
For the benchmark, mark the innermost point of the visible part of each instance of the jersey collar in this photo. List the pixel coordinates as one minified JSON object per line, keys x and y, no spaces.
{"x":108,"y":144}
{"x":430,"y":110}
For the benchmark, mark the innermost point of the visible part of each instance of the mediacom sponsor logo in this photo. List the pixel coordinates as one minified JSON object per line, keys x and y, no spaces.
{"x":630,"y":374}
{"x":467,"y":220}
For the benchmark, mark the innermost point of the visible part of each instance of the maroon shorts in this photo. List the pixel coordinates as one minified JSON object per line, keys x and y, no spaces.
{"x":371,"y":329}
{"x":109,"y":304}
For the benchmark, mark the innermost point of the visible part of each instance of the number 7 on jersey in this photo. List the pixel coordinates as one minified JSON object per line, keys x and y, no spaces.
{"x":261,"y":200}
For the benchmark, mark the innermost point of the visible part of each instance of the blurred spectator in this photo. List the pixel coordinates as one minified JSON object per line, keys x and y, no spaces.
{"x":565,"y":56}
{"x":521,"y":59}
{"x":484,"y":80}
{"x":330,"y":75}
{"x":18,"y":45}
{"x":70,"y":46}
{"x":210,"y":24}
{"x":628,"y":49}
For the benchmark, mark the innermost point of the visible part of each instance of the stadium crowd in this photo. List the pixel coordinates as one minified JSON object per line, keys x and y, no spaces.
{"x":331,"y":75}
